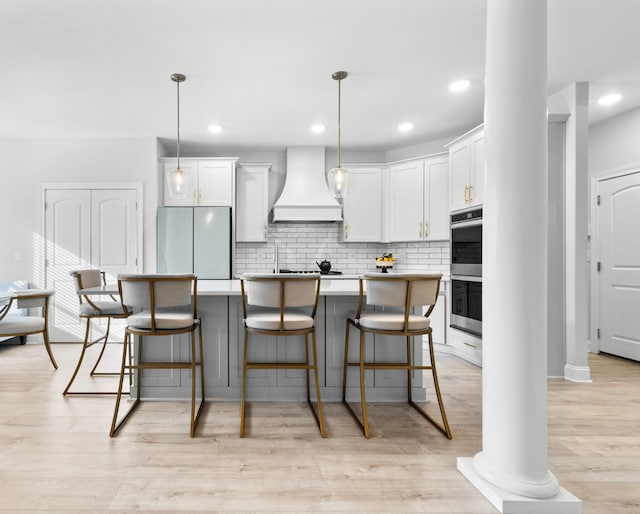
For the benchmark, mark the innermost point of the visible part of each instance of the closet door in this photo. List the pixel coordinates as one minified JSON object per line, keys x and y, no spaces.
{"x":86,"y":228}
{"x":67,"y":247}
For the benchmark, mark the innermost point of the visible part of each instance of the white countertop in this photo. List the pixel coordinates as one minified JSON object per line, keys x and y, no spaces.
{"x":328,"y":287}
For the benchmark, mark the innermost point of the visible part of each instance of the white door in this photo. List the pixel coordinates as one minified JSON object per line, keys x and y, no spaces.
{"x":86,"y":228}
{"x":68,"y":247}
{"x":619,"y":252}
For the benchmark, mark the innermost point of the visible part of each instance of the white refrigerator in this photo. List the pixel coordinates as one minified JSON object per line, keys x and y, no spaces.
{"x":194,"y":240}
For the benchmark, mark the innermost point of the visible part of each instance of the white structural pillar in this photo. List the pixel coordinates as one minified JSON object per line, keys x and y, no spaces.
{"x":511,"y":471}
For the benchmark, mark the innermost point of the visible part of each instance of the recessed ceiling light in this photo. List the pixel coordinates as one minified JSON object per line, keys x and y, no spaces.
{"x":215,"y":129}
{"x":609,"y":99}
{"x":318,"y":128}
{"x":405,"y":127}
{"x":459,"y":85}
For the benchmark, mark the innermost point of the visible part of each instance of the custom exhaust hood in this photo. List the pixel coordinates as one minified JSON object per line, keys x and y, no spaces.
{"x":305,"y":196}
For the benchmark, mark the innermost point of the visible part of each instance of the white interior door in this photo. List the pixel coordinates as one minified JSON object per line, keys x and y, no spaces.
{"x":68,"y":247}
{"x":86,"y":228}
{"x":619,"y":252}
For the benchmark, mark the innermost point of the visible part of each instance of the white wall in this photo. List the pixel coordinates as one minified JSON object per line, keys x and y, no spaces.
{"x":615,"y":143}
{"x":26,"y":163}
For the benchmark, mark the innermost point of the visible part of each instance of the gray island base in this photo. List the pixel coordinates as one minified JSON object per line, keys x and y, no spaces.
{"x":220,"y":308}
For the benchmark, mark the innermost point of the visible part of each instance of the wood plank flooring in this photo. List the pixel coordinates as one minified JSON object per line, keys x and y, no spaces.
{"x":56,"y":456}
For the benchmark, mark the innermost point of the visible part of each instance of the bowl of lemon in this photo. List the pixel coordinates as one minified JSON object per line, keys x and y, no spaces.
{"x":385,"y":262}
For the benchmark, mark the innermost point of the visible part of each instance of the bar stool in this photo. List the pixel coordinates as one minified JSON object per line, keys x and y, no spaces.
{"x":91,"y":309}
{"x":160,"y":305}
{"x":281,"y":305}
{"x":405,"y":291}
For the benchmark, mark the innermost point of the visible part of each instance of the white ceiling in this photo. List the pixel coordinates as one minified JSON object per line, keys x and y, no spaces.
{"x":262,"y":68}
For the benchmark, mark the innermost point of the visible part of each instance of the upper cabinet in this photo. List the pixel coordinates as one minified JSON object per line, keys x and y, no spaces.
{"x":252,"y":202}
{"x":466,"y":156}
{"x":362,"y":213}
{"x":418,"y":199}
{"x":211,"y":181}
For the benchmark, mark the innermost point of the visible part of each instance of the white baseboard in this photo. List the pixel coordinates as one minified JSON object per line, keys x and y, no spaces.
{"x":580,"y":374}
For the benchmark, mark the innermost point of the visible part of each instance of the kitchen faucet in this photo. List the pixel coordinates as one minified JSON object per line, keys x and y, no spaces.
{"x":276,"y":256}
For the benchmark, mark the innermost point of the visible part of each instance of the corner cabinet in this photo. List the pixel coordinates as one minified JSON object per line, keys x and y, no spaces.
{"x":466,"y":157}
{"x":212,"y":181}
{"x":252,"y":202}
{"x":419,"y":199}
{"x":362,"y":213}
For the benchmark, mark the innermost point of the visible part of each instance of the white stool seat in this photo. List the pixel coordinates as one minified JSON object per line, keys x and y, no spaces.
{"x":165,"y":320}
{"x":293,"y":320}
{"x":21,"y":325}
{"x":108,"y":308}
{"x":385,"y":321}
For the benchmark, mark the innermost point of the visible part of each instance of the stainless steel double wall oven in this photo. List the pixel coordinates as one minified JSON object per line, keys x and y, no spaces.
{"x":466,"y":271}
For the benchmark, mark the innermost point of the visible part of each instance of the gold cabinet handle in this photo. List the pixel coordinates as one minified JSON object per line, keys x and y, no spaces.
{"x":470,"y":195}
{"x":420,"y":229}
{"x":346,"y":232}
{"x":426,"y":230}
{"x":466,"y":194}
{"x":195,"y":198}
{"x":199,"y":195}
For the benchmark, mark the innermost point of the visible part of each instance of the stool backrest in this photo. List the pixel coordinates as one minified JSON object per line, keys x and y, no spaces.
{"x":86,"y":278}
{"x":279,"y":290}
{"x":401,"y":290}
{"x":157,"y":291}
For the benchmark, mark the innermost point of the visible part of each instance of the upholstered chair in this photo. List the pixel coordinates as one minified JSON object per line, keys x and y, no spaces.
{"x":399,"y":295}
{"x":277,"y":305}
{"x":12,"y":325}
{"x":160,"y":305}
{"x":93,"y":307}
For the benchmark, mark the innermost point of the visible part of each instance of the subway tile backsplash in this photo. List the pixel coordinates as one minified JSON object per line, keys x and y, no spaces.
{"x":302,"y":244}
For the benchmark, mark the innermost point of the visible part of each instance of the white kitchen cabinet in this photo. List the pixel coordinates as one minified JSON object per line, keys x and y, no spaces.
{"x":466,"y":157}
{"x":362,"y":209}
{"x":418,"y":199}
{"x":211,"y":181}
{"x":252,"y":202}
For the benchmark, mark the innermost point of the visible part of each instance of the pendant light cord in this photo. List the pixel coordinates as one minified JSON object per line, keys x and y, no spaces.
{"x":178,"y":103}
{"x":339,"y":160}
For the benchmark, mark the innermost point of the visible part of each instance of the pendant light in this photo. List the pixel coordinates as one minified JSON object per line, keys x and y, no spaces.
{"x":338,"y":178}
{"x":178,"y":181}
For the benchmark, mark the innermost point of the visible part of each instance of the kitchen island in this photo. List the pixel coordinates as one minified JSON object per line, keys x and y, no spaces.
{"x":220,"y":308}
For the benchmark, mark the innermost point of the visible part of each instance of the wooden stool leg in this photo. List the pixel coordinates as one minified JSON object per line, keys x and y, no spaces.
{"x":104,"y":347}
{"x":365,"y":421}
{"x":82,"y":352}
{"x":244,"y":384}
{"x":315,"y":374}
{"x":346,"y":365}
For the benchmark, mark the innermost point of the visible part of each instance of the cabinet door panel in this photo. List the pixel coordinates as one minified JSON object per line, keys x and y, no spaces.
{"x":478,"y":170}
{"x":460,"y":159}
{"x":406,"y":201}
{"x":363,"y":206}
{"x":215,"y":183}
{"x":252,"y":201}
{"x":436,"y":209}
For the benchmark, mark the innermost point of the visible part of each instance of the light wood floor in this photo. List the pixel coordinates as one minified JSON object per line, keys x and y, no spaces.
{"x":56,"y":456}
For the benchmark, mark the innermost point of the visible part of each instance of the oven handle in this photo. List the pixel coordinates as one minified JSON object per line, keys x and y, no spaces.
{"x":466,"y":278}
{"x":470,"y":223}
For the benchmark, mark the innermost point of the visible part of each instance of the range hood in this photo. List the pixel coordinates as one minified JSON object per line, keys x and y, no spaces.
{"x":305,"y":196}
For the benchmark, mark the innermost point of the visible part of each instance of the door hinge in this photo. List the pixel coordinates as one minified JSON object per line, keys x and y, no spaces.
{"x":598,"y":199}
{"x":598,"y":266}
{"x":598,"y":333}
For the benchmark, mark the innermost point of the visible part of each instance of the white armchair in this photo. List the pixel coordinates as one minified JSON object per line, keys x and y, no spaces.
{"x":12,"y":325}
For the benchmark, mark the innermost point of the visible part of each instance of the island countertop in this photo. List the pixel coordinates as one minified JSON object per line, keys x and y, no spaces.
{"x":328,"y":287}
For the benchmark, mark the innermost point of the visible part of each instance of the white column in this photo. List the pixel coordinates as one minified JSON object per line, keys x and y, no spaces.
{"x":512,"y":469}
